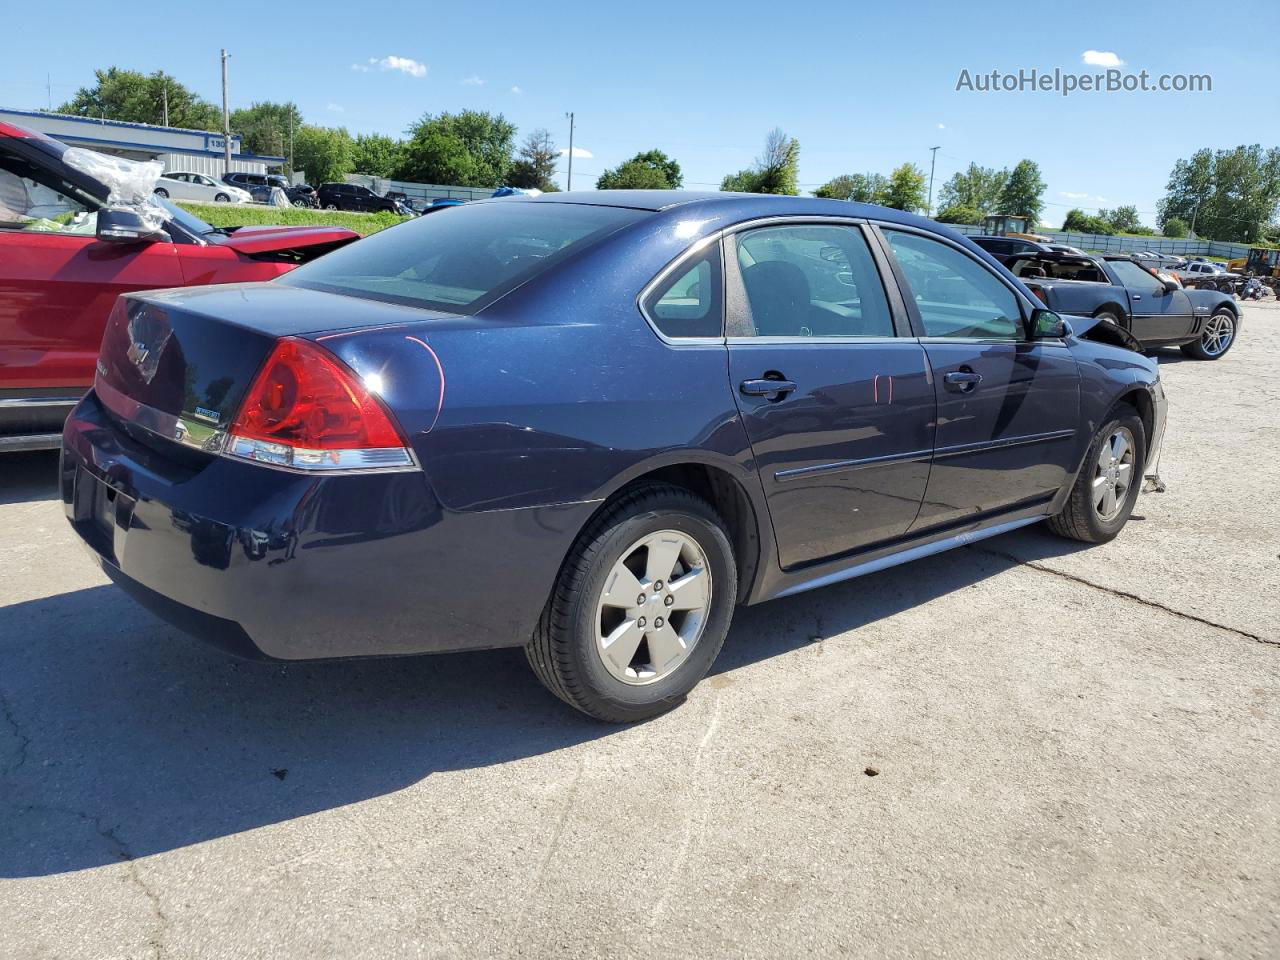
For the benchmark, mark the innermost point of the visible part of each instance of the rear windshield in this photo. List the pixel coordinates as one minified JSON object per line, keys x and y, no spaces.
{"x":462,"y":259}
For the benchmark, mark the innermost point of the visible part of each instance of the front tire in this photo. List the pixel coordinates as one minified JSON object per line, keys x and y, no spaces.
{"x":221,"y":198}
{"x":161,"y":192}
{"x":1218,"y":337}
{"x":640,"y":609}
{"x":1107,"y":486}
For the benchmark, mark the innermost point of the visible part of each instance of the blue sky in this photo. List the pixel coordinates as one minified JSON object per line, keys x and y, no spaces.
{"x":864,"y":87}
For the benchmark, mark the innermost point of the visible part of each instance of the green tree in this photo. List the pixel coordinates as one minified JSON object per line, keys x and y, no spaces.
{"x":324,"y":154}
{"x":1173,"y":227}
{"x":906,"y":190}
{"x":1122,"y":219}
{"x":1225,"y":195}
{"x":536,"y":163}
{"x":376,"y":154}
{"x":1022,"y":194}
{"x":1081,"y":222}
{"x":264,"y":127}
{"x":977,"y":187}
{"x":858,"y":187}
{"x":958,"y":213}
{"x":650,"y":170}
{"x":141,"y":98}
{"x":776,"y":170}
{"x":633,"y":176}
{"x":469,"y":149}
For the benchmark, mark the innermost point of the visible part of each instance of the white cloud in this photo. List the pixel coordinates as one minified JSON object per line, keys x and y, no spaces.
{"x":578,"y":153}
{"x":942,"y":126}
{"x":516,"y":90}
{"x":1101,"y":58}
{"x":1073,"y":196}
{"x":335,"y":108}
{"x":472,"y":81}
{"x":359,"y":68}
{"x":405,"y":65}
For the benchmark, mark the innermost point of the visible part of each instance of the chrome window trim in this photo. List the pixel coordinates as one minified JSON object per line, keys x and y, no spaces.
{"x":694,"y":250}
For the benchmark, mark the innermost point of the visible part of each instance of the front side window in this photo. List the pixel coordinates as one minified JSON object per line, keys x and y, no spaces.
{"x":956,"y":295}
{"x":461,"y":260}
{"x":34,"y":200}
{"x":812,"y":280}
{"x":688,"y":302}
{"x":1136,"y":278}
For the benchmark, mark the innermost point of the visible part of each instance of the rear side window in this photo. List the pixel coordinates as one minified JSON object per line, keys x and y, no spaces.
{"x":462,"y":259}
{"x":688,"y":302}
{"x":811,"y":281}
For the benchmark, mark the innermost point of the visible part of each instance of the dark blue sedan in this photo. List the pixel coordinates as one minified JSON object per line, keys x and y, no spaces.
{"x":590,"y":425}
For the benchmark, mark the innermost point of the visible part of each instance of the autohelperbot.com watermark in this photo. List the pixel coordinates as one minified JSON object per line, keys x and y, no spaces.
{"x":1066,"y":83}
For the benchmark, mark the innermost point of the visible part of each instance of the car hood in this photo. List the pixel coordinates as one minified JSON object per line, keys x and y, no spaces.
{"x":259,"y":240}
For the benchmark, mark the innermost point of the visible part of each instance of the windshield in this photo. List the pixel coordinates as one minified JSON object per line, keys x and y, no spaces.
{"x":463,"y":258}
{"x":188,"y":221}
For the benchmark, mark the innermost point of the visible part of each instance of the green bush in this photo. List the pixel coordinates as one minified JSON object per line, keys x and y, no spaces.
{"x":1176,"y":227}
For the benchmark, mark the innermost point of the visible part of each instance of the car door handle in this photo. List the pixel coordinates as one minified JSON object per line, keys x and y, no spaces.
{"x":962,"y":380}
{"x":1136,"y":296}
{"x":766,"y":388}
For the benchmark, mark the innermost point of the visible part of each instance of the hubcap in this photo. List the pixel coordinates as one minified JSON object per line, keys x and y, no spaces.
{"x":1217,"y":334}
{"x":654,"y":607}
{"x":1113,"y":474}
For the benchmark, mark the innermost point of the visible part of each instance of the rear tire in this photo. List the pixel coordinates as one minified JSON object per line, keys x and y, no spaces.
{"x":1109,"y":316}
{"x":1090,"y":515}
{"x":1218,"y":337}
{"x":590,"y":611}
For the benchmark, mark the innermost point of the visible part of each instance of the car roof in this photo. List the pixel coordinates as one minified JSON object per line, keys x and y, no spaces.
{"x":731,"y":206}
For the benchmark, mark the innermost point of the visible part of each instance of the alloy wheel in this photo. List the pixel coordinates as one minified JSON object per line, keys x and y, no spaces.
{"x":653,"y":608}
{"x":1113,"y":474}
{"x":1218,"y":334}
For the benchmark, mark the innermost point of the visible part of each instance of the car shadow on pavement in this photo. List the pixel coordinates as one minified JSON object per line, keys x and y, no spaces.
{"x":121,"y":738}
{"x":25,"y":477}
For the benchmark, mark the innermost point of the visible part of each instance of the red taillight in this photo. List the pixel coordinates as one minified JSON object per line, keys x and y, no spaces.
{"x":307,"y":409}
{"x":1041,"y":295}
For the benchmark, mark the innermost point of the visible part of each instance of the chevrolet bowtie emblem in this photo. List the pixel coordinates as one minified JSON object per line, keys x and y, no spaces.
{"x":137,"y":353}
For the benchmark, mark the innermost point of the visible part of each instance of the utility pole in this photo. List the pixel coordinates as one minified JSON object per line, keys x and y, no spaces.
{"x":933,"y":162}
{"x":226,"y":119}
{"x":164,"y":94}
{"x":48,"y":86}
{"x":568,"y":181}
{"x":1193,"y":219}
{"x":291,"y":141}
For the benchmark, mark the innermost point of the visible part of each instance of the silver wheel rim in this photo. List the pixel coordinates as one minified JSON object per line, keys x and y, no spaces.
{"x":1113,"y":474}
{"x":654,"y":607}
{"x":1217,"y":335}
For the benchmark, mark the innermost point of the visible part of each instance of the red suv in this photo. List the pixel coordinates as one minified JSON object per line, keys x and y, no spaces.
{"x":62,"y":267}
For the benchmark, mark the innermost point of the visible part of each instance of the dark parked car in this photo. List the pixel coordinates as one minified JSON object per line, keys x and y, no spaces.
{"x":1004,"y":248}
{"x":352,"y":196}
{"x":302,"y":195}
{"x":258,"y":184}
{"x":590,"y":425}
{"x":1117,"y":289}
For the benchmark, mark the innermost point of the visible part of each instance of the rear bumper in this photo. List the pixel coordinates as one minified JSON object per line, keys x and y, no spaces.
{"x":268,"y":563}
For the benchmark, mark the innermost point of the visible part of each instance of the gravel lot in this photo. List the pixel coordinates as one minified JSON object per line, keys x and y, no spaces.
{"x":1078,"y":755}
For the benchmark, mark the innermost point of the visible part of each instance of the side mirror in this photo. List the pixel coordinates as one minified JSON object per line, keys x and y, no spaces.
{"x":122,"y":225}
{"x":1047,"y":325}
{"x":1169,"y":286}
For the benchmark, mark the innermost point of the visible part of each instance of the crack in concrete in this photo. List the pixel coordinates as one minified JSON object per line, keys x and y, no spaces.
{"x":156,"y":940}
{"x":1126,"y":595}
{"x":24,"y":741}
